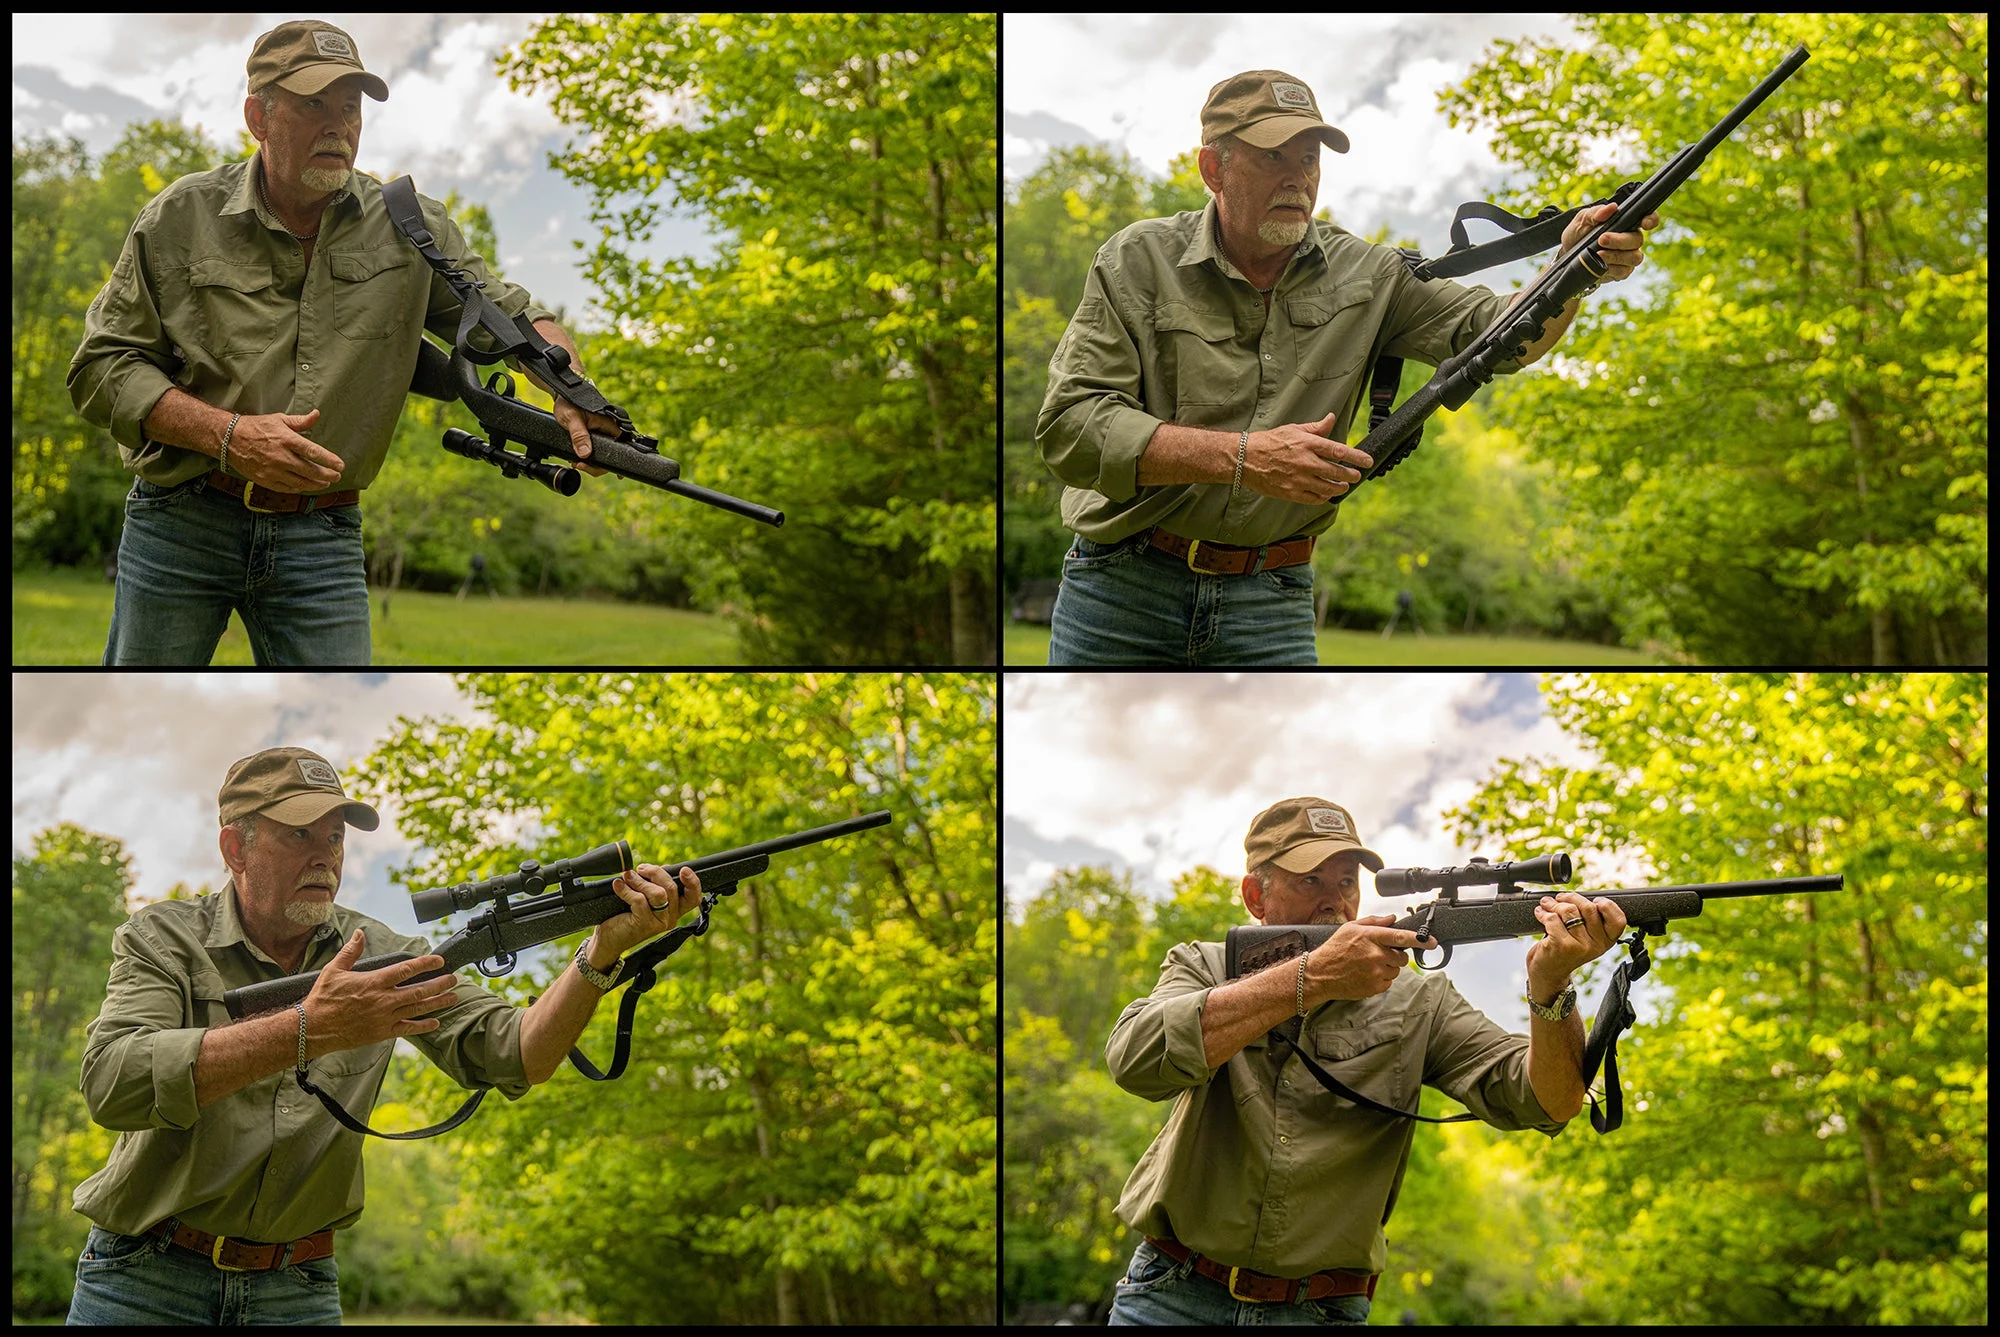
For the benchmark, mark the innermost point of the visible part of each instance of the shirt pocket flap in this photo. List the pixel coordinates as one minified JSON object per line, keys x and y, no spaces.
{"x":234,"y":275}
{"x":1208,"y":325}
{"x":1309,"y":309}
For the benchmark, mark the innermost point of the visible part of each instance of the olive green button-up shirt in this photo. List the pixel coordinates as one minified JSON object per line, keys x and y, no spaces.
{"x":1170,"y":331}
{"x":267,"y":1163}
{"x":1259,"y":1165}
{"x":212,"y":295}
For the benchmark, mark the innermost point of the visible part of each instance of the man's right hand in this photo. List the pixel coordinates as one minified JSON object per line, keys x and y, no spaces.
{"x":1361,"y":960}
{"x":348,"y":1008}
{"x":272,"y":449}
{"x":1299,"y":463}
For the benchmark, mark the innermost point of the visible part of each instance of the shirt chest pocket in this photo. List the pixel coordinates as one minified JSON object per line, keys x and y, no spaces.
{"x":1202,"y":369}
{"x":371,"y":291}
{"x":1332,"y":329}
{"x":235,"y":305}
{"x":1366,"y":1058}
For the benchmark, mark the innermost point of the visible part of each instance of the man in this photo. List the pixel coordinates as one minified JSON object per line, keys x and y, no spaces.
{"x":1198,"y":402}
{"x":222,"y":1195}
{"x":250,"y":353}
{"x":1264,"y":1197}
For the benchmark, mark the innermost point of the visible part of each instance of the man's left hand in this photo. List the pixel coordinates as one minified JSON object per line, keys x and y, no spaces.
{"x":1551,"y":961}
{"x":580,"y":425}
{"x":656,"y":904}
{"x":1621,"y":251}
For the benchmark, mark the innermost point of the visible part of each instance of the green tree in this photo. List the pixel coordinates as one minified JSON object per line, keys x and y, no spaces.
{"x":837,"y":359}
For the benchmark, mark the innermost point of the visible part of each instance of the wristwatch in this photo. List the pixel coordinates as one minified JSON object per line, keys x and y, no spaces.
{"x":596,"y":978}
{"x":1556,"y":1011}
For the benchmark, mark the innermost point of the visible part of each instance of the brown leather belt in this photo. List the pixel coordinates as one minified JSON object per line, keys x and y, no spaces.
{"x":1244,"y":1284}
{"x":1226,"y":559}
{"x":234,"y":1255}
{"x":260,"y":498}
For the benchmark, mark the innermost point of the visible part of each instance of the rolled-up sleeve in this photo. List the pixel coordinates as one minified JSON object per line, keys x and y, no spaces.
{"x":121,"y":369}
{"x":1092,"y":429}
{"x":1156,"y":1050}
{"x":138,"y":1065}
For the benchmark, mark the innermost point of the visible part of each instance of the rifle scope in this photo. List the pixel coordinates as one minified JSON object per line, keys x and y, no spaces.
{"x":608,"y":860}
{"x":1546,"y":868}
{"x":604,"y":861}
{"x":556,"y":478}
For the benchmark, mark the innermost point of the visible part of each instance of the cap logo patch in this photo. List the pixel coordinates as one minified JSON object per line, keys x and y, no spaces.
{"x":316,"y":772}
{"x":1293,"y":95}
{"x":334,"y":45}
{"x":1328,"y":822}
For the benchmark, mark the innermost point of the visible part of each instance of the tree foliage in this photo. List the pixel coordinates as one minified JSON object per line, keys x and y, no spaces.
{"x":837,"y":359}
{"x":807,"y":1129}
{"x":1780,"y":436}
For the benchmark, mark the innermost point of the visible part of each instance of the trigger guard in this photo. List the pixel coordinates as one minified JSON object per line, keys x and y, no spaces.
{"x":1418,"y":954}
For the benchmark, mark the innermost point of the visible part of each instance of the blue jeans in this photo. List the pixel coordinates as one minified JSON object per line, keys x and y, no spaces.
{"x":133,"y":1279}
{"x":188,"y":556}
{"x":1156,"y":1291}
{"x":1125,"y":603}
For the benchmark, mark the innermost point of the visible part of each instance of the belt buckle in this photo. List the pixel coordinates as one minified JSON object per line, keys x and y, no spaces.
{"x":215,"y":1256}
{"x":249,"y":491}
{"x":1233,"y":1294}
{"x":1192,"y":545}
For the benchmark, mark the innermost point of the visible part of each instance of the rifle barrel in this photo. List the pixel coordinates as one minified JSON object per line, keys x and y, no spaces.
{"x":780,"y":844}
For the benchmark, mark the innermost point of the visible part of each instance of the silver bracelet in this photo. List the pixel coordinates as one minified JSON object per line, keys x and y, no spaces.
{"x":1302,"y":985}
{"x":222,"y":463}
{"x":302,"y":1035}
{"x":1242,"y":449}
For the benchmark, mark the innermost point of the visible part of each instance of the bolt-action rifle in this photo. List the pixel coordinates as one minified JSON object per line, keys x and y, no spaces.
{"x":1577,"y":271}
{"x":505,"y":418}
{"x":1447,"y":922}
{"x":559,"y":902}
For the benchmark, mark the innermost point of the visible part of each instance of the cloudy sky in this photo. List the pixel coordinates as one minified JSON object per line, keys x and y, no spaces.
{"x":141,"y":757}
{"x":1153,"y":774}
{"x":1138,"y":81}
{"x":450,"y":121}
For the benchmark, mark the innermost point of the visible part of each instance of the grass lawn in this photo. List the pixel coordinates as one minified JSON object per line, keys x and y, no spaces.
{"x":1367,"y":649}
{"x":61,"y":617}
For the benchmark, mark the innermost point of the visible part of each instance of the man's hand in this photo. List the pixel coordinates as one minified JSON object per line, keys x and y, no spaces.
{"x":348,"y":1008}
{"x":1361,"y":960}
{"x":1621,"y":251}
{"x":1298,"y":463}
{"x":580,"y":425}
{"x":656,"y":904}
{"x":1552,"y":960}
{"x":272,"y":449}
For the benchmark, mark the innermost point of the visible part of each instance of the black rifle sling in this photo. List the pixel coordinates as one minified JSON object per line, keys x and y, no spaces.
{"x":352,"y":1124}
{"x":513,"y":336}
{"x":1614,"y":1017}
{"x":639,"y":970}
{"x":1346,"y":1092}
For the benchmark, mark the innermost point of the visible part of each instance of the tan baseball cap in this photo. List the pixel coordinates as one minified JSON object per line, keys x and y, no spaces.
{"x":1299,"y":833}
{"x":306,"y":55}
{"x":290,"y":785}
{"x":1265,"y":108}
